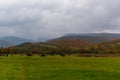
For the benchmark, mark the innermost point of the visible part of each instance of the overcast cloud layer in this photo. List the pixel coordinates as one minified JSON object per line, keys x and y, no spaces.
{"x":52,"y":18}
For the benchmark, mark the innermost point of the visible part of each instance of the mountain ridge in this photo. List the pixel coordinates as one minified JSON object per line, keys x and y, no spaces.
{"x":91,"y":38}
{"x":11,"y":41}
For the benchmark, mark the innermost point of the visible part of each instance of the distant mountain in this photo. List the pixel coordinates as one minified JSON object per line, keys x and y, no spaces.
{"x":4,"y":43}
{"x":95,"y":37}
{"x":11,"y":41}
{"x":15,"y":40}
{"x":84,"y":38}
{"x":42,"y":39}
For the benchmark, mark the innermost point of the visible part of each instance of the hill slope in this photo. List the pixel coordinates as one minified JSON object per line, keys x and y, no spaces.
{"x":95,"y":37}
{"x":70,"y":42}
{"x":36,"y":47}
{"x":89,"y":38}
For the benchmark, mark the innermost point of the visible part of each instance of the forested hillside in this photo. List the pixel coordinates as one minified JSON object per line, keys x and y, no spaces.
{"x":67,"y":46}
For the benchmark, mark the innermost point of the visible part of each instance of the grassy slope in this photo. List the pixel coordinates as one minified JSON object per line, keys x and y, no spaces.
{"x":59,"y":68}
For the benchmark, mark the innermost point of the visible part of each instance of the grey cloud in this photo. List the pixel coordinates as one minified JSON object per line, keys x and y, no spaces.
{"x":52,"y":18}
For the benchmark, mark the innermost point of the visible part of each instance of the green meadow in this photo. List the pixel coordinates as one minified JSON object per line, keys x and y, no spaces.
{"x":59,"y":68}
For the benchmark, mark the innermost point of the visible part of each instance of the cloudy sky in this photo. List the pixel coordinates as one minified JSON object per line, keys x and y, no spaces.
{"x":52,"y":18}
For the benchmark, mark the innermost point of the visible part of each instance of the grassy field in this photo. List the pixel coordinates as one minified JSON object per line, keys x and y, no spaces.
{"x":59,"y":68}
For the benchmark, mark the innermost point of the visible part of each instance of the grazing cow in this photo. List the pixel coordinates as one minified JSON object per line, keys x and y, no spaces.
{"x":6,"y":55}
{"x":43,"y":55}
{"x":29,"y":54}
{"x":63,"y":55}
